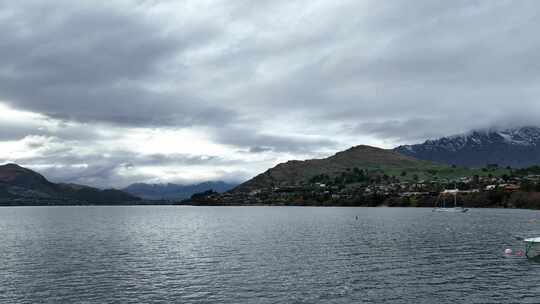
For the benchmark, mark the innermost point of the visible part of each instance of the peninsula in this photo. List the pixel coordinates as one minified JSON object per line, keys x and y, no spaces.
{"x":370,"y":176}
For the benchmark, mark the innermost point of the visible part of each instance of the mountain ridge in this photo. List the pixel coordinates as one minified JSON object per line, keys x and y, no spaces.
{"x":171,"y":191}
{"x":296,"y":172}
{"x":514,"y":147}
{"x":26,"y":186}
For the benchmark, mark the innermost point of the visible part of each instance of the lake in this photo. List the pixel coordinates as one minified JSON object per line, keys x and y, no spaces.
{"x":168,"y":254}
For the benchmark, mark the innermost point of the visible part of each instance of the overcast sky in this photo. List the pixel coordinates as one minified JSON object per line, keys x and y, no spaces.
{"x":107,"y":93}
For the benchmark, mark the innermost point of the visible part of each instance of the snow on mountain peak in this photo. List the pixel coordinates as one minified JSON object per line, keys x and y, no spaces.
{"x":517,"y":147}
{"x":522,"y":136}
{"x":525,"y":136}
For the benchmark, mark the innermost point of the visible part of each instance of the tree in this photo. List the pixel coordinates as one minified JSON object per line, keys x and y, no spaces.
{"x":527,"y":186}
{"x":202,"y":195}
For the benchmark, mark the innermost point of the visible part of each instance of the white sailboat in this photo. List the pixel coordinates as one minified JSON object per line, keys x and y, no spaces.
{"x":441,"y":204}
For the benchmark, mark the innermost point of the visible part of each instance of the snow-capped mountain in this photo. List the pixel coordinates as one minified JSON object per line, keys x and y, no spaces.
{"x":518,"y":147}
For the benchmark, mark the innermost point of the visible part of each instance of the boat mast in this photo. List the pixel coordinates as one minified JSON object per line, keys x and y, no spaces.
{"x":455,"y":195}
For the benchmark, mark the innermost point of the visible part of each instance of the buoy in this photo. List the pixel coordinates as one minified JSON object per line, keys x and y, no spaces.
{"x":520,"y":253}
{"x":508,"y":251}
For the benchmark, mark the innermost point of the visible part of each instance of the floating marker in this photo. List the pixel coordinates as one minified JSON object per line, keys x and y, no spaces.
{"x":508,"y":251}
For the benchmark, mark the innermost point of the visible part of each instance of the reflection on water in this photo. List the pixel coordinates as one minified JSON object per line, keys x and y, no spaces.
{"x":264,"y":255}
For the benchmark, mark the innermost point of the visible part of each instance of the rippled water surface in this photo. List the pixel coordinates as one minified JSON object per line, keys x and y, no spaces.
{"x":264,"y":255}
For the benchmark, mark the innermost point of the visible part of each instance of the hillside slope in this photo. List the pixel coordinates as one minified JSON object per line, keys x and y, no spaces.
{"x":361,"y":157}
{"x":24,"y":185}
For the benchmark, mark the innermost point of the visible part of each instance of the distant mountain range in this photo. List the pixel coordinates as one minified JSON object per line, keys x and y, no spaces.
{"x":174,"y":191}
{"x":518,"y":148}
{"x":341,"y":164}
{"x":21,"y":186}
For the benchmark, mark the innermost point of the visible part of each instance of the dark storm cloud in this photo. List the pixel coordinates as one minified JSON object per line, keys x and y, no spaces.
{"x":91,"y":62}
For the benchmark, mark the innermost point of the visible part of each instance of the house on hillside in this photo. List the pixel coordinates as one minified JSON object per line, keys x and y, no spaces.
{"x":510,"y":188}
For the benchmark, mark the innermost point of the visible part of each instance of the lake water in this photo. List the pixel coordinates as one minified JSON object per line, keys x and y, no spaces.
{"x":173,"y":254}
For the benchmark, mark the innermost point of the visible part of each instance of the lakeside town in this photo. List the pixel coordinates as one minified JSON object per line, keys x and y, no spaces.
{"x":516,"y":188}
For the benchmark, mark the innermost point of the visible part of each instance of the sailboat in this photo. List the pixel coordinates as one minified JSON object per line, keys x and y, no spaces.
{"x":441,"y":206}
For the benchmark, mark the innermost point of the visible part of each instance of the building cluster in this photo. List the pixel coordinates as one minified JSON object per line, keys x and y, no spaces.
{"x":318,"y":193}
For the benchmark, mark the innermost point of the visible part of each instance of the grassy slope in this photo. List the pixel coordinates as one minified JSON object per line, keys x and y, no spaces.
{"x":361,"y":157}
{"x":432,"y":171}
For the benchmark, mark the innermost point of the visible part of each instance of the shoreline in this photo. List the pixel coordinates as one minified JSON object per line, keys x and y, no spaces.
{"x":243,"y":205}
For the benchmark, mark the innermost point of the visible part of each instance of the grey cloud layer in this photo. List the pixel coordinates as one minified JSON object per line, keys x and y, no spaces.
{"x":90,"y":62}
{"x":357,"y":60}
{"x":322,"y":71}
{"x":469,"y":64}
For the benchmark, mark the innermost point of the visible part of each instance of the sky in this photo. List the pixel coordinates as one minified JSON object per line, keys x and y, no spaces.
{"x":107,"y":93}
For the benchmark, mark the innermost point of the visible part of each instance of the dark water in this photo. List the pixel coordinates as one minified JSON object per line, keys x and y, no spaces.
{"x":264,"y":255}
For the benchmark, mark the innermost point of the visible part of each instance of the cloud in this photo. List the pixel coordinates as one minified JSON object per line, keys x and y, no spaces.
{"x":259,"y":149}
{"x":423,"y":62}
{"x":82,"y":162}
{"x":204,"y":87}
{"x":261,"y":142}
{"x":90,"y":62}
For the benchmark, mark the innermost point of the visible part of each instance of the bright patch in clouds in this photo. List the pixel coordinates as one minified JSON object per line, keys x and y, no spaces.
{"x":110,"y":155}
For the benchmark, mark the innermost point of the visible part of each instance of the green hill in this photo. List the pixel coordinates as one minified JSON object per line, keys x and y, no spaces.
{"x":356,"y":163}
